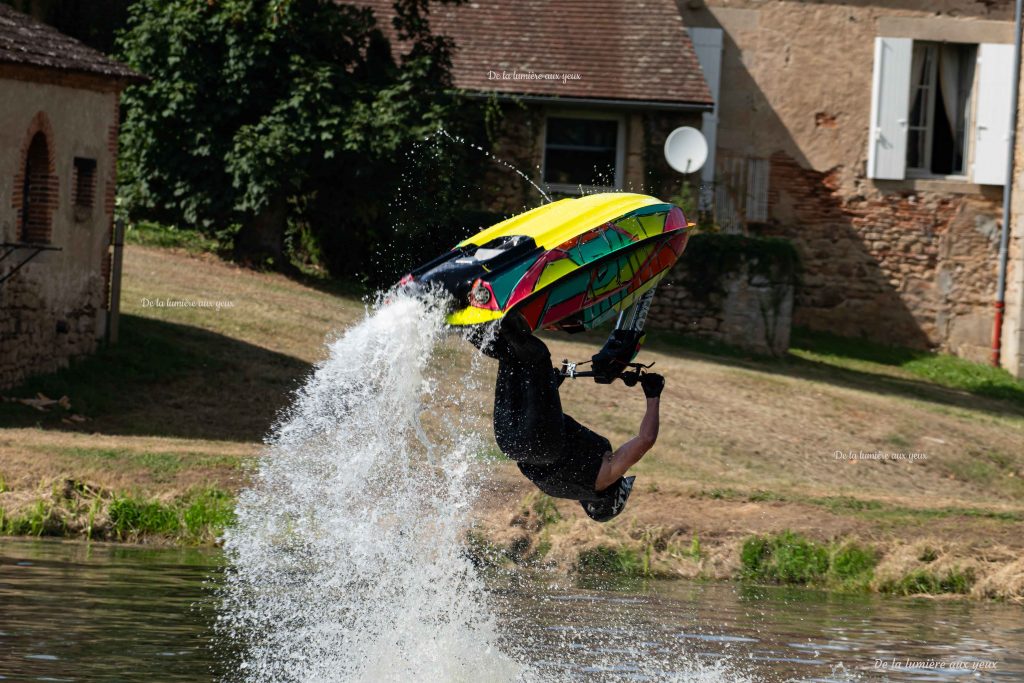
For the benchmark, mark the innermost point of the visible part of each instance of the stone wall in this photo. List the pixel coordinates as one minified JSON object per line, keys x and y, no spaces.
{"x":905,"y":268}
{"x":748,"y":303}
{"x":909,"y":262}
{"x":54,"y":308}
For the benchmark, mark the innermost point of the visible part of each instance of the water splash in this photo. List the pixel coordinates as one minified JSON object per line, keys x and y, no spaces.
{"x":346,"y":560}
{"x":479,"y":148}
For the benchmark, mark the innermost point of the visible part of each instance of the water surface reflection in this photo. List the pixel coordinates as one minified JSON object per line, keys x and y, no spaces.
{"x":72,"y":612}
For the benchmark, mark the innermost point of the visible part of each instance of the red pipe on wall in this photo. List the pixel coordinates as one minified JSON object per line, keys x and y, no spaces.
{"x":1004,"y":237}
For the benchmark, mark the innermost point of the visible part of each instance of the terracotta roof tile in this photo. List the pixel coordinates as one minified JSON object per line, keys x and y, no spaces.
{"x":26,"y":41}
{"x":634,"y":51}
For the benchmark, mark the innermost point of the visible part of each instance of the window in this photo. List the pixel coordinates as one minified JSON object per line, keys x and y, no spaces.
{"x":85,"y":182}
{"x":741,"y":191}
{"x":583,"y":152}
{"x":940,"y":109}
{"x":38,"y":193}
{"x":941,"y":81}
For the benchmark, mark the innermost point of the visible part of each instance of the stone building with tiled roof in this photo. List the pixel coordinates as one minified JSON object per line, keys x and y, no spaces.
{"x":589,"y":89}
{"x":59,"y":118}
{"x":875,"y":136}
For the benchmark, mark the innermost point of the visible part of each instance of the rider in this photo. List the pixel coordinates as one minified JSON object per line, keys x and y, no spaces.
{"x":554,"y":451}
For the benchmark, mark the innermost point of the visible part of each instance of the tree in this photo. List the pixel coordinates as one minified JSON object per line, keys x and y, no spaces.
{"x":264,"y":114}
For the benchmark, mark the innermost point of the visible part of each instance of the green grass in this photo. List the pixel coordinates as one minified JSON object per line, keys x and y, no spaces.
{"x":921,"y":581}
{"x":785,"y":558}
{"x":942,"y":369}
{"x":851,"y":566}
{"x":667,"y":341}
{"x":35,"y":522}
{"x":543,"y":506}
{"x":195,"y":518}
{"x":160,"y":465}
{"x":165,"y":379}
{"x":603,"y":559}
{"x":790,"y":558}
{"x":131,"y":518}
{"x":149,"y":234}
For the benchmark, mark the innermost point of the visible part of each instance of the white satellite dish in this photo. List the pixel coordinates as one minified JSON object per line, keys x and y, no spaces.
{"x":686,"y":150}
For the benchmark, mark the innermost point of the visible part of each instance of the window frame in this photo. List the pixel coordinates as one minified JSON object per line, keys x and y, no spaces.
{"x":84,"y":183}
{"x":620,"y":150}
{"x":925,"y":173}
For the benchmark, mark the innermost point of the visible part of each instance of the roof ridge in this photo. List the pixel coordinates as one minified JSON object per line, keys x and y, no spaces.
{"x":27,"y":41}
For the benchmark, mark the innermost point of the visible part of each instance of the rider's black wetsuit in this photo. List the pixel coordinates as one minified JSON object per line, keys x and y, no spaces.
{"x":554,"y":451}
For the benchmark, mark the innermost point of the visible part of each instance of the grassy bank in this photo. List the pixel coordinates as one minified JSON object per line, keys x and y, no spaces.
{"x":78,"y":510}
{"x":155,"y":434}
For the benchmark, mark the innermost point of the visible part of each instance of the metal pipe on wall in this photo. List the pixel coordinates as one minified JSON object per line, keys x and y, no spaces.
{"x":1004,"y":236}
{"x":115,"y":282}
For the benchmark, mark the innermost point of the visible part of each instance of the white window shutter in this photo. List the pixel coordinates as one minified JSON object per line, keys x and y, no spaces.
{"x":992,"y":121}
{"x":707,"y":43}
{"x":890,"y":104}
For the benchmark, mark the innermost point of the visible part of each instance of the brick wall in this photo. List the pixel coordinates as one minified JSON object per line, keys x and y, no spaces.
{"x":53,"y":309}
{"x":907,"y":268}
{"x":36,"y":166}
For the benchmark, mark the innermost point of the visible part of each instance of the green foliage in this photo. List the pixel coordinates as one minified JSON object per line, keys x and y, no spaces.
{"x":208,"y":514}
{"x":265,"y":114}
{"x":130,"y":517}
{"x":543,"y":546}
{"x":785,"y":558}
{"x":695,"y":551}
{"x":603,"y":559}
{"x":710,"y":256}
{"x":39,"y":520}
{"x":793,"y":559}
{"x":921,"y":581}
{"x":151,"y":234}
{"x":852,"y":566}
{"x":195,"y":518}
{"x":688,"y":199}
{"x":544,"y":507}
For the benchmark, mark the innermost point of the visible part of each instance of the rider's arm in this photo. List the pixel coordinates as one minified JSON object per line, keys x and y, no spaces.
{"x":628,"y":454}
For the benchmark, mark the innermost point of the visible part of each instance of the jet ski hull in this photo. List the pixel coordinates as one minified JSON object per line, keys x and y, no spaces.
{"x":570,"y":265}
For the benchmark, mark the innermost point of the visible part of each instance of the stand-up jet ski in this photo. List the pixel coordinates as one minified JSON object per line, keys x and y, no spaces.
{"x":571,"y":265}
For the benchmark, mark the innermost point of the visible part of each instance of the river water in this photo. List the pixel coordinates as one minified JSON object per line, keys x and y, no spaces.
{"x":76,"y":612}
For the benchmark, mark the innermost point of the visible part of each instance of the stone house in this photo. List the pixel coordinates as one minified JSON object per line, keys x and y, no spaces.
{"x":58,"y":147}
{"x":874,"y":136}
{"x":589,"y":89}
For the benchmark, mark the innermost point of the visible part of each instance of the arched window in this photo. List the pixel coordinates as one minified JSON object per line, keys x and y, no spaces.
{"x":38,"y":193}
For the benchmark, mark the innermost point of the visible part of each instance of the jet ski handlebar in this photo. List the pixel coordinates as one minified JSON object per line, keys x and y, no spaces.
{"x":630,"y":373}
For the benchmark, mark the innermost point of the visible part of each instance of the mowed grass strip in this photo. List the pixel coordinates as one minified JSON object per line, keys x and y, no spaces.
{"x":161,"y":466}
